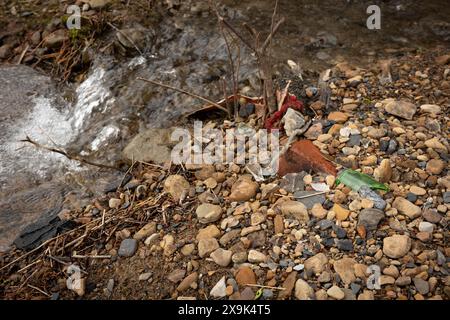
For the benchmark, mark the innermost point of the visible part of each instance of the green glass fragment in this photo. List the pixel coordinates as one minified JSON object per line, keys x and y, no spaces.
{"x":355,"y":180}
{"x":258,"y":294}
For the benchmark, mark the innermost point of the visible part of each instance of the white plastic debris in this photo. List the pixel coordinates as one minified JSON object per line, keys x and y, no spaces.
{"x":296,"y":69}
{"x":320,"y":186}
{"x":219,"y":290}
{"x":294,"y":123}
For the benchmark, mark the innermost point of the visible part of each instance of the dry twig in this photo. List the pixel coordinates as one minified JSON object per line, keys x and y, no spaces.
{"x":266,"y":287}
{"x":185,"y":92}
{"x":23,"y":54}
{"x":40,"y":290}
{"x":64,"y":153}
{"x":262,"y":54}
{"x":234,"y":67}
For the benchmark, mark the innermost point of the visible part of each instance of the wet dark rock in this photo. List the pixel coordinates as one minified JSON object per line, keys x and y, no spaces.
{"x":354,"y":140}
{"x":325,"y":224}
{"x":344,"y":244}
{"x":55,"y":296}
{"x":327,"y":286}
{"x":37,"y":210}
{"x":111,"y":185}
{"x":384,"y":144}
{"x":411,"y":197}
{"x":328,"y":242}
{"x":340,"y":232}
{"x":128,"y":248}
{"x":393,"y":145}
{"x":446,"y":197}
{"x":355,"y":288}
{"x":19,"y":85}
{"x":421,"y":285}
{"x":45,"y":228}
{"x":370,"y":218}
{"x":246,"y":110}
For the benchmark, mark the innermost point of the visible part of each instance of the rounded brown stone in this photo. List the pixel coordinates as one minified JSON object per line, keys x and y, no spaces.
{"x":245,"y":275}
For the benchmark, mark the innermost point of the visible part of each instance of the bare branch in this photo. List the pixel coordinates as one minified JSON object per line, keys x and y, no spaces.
{"x":272,"y":22}
{"x":250,"y":29}
{"x":229,"y":26}
{"x":238,"y":66}
{"x":185,"y":92}
{"x":64,"y":153}
{"x":234,"y":77}
{"x":272,"y":33}
{"x":225,"y":95}
{"x":262,"y":55}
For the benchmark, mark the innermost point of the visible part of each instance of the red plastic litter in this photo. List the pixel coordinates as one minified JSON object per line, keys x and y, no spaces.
{"x":291,"y":102}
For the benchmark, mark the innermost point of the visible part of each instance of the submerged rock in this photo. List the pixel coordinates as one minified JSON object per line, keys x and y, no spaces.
{"x":152,"y":145}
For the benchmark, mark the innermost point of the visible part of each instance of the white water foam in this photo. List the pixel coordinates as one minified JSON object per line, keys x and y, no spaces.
{"x":90,"y":94}
{"x":136,"y":61}
{"x":49,"y":126}
{"x":45,"y":125}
